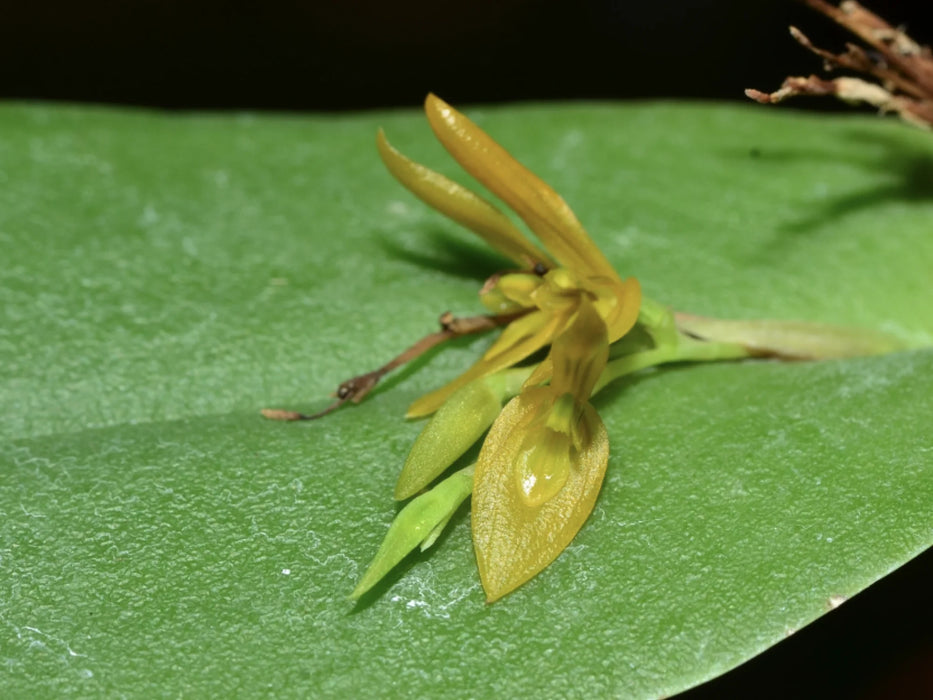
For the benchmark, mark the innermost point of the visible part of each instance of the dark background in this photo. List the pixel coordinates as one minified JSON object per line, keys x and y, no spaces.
{"x":314,"y":55}
{"x":336,"y":55}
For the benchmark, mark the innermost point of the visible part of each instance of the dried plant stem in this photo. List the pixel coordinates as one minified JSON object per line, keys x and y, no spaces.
{"x":355,"y":388}
{"x":902,"y":68}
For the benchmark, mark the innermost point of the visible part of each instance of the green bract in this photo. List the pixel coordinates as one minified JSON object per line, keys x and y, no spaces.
{"x":418,"y":523}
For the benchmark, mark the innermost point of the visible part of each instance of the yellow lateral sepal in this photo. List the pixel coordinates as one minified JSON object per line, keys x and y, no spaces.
{"x":518,"y":531}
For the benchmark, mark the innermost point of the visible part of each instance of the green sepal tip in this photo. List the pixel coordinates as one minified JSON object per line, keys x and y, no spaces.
{"x":418,"y":523}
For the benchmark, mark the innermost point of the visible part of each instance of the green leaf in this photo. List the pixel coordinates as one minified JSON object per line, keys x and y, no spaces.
{"x":166,"y":276}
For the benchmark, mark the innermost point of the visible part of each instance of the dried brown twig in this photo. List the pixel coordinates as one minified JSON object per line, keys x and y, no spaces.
{"x":902,"y":68}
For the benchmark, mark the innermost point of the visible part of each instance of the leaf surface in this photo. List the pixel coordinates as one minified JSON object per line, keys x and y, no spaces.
{"x":165,"y":277}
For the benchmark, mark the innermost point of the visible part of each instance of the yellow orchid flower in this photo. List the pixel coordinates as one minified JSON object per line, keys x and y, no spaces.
{"x":545,"y":455}
{"x":550,"y":296}
{"x":543,"y":462}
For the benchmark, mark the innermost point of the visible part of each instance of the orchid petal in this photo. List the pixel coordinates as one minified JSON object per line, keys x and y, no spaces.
{"x":538,"y":205}
{"x":520,"y":339}
{"x":618,"y":302}
{"x":461,"y":205}
{"x":579,"y":354}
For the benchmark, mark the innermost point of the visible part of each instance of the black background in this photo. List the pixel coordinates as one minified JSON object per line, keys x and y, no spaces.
{"x":315,"y":55}
{"x":318,"y":55}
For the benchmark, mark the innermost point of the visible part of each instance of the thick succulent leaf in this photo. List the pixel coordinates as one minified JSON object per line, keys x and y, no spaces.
{"x":166,"y":276}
